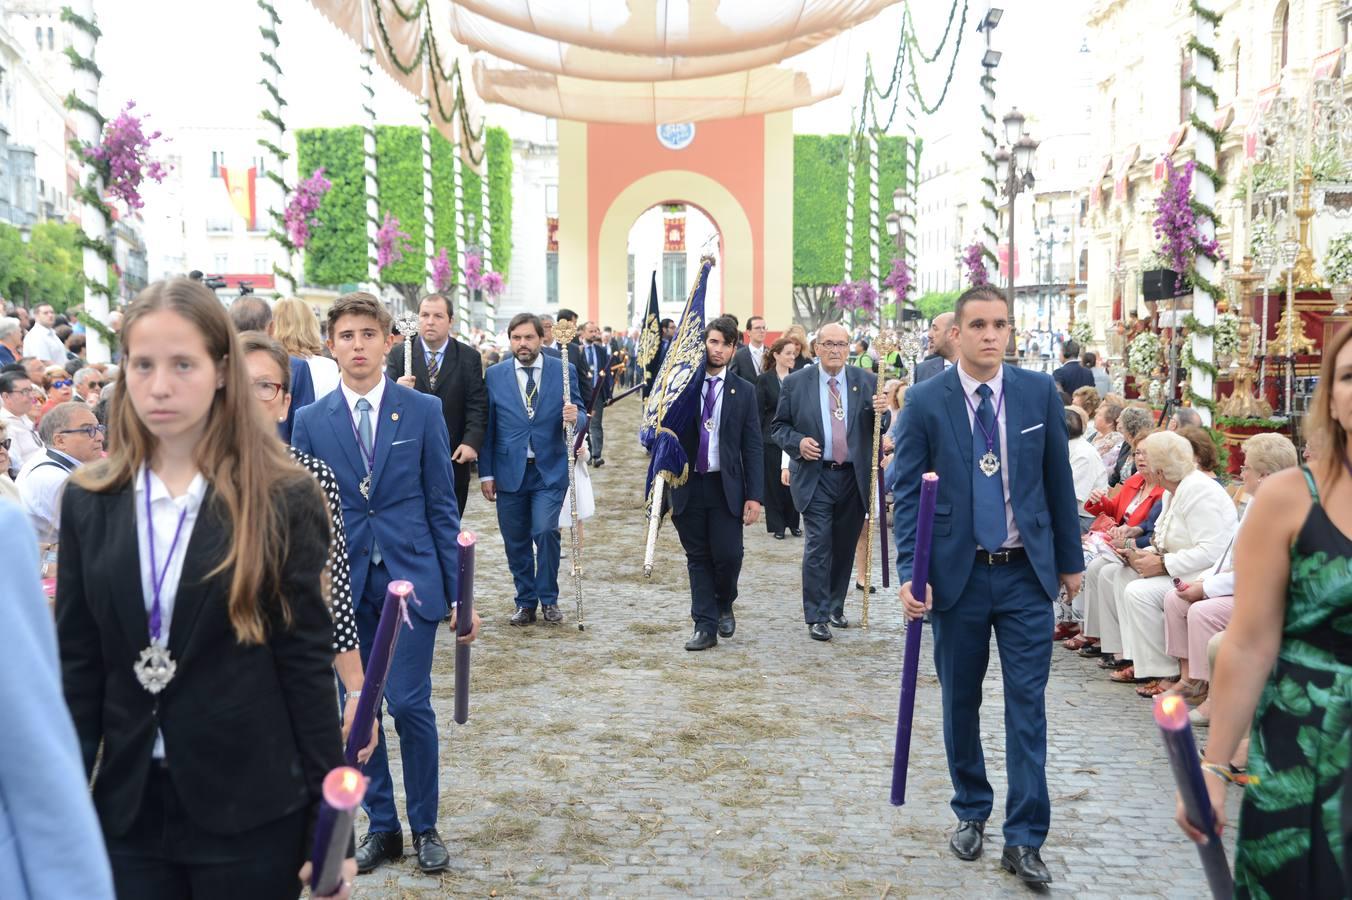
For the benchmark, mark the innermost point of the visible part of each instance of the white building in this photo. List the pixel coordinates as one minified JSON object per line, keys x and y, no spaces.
{"x":38,"y":171}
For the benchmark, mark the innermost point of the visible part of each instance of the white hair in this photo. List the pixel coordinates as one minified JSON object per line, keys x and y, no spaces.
{"x":1169,"y":455}
{"x":8,"y":326}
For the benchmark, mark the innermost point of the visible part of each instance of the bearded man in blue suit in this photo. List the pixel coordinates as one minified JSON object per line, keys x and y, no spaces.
{"x":1006,"y":540}
{"x":523,"y":464}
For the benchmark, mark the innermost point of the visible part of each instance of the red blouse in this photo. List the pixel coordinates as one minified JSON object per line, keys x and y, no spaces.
{"x":1115,"y":505}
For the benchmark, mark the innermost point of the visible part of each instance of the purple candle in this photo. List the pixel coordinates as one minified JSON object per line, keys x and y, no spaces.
{"x":343,"y":790}
{"x":1171,"y":714}
{"x":464,"y":624}
{"x":882,"y":516}
{"x":397,"y":595}
{"x":924,"y":533}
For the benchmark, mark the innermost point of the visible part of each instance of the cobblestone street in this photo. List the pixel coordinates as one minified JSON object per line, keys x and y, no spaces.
{"x":613,"y":763}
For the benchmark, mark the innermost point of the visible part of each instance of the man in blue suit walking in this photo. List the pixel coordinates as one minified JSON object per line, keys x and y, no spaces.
{"x":390,"y":451}
{"x":1006,"y":539}
{"x":523,"y":465}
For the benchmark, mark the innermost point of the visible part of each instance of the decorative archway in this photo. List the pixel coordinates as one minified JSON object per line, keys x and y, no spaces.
{"x":739,"y":171}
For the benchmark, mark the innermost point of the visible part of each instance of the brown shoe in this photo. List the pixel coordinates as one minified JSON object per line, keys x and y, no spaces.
{"x":552,"y":614}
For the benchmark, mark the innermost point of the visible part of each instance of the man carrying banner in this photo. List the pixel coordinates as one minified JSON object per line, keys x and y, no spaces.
{"x":724,"y":489}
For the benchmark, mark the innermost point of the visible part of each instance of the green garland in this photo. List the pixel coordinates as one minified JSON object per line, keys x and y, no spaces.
{"x":1233,"y":422}
{"x":270,"y":35}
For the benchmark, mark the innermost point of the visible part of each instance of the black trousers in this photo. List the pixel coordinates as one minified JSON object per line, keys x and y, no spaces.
{"x":461,"y":472}
{"x":712,"y":538}
{"x":165,"y":855}
{"x":780,"y":513}
{"x":831,"y":524}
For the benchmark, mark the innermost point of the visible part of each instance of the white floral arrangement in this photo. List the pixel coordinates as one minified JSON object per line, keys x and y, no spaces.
{"x":1155,"y":392}
{"x":1143,"y":353}
{"x":1226,"y":341}
{"x":1082,"y":332}
{"x":1338,"y":260}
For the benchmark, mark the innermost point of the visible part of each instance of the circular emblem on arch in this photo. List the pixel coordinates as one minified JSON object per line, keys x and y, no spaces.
{"x":676,"y":135}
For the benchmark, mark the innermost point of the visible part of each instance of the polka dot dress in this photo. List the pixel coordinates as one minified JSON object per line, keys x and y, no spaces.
{"x":340,"y":578}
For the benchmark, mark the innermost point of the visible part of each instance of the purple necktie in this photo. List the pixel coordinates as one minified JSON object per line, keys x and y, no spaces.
{"x":705,"y":426}
{"x":840,"y":452}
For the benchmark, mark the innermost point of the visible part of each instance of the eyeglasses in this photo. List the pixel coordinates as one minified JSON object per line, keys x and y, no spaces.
{"x":267,"y":391}
{"x":64,"y":382}
{"x":89,"y":431}
{"x":93,"y":384}
{"x":832,"y":345}
{"x":4,"y":445}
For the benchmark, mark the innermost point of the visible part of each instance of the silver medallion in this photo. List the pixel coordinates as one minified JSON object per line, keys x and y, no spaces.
{"x":155,"y":668}
{"x":365,"y":486}
{"x":709,"y":425}
{"x":838,"y":413}
{"x":989,"y":464}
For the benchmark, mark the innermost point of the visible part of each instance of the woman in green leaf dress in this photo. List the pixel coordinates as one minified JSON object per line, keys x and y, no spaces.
{"x":1286,"y":665}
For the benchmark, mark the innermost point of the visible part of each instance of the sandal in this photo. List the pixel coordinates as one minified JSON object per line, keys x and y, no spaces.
{"x":1114,"y":662}
{"x":1090,"y":651}
{"x":1127,"y":675}
{"x":1153,"y":688}
{"x":1078,"y":642}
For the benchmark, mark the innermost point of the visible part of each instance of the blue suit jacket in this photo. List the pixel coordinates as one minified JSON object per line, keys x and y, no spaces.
{"x":936,"y":437}
{"x":411,"y":514}
{"x":503,"y":456}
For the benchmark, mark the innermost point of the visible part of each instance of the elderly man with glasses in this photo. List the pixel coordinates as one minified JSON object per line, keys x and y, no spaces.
{"x":16,"y":402}
{"x":73,"y":437}
{"x":89,"y":385}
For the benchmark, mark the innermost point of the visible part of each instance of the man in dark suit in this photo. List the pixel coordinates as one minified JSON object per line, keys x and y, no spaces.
{"x":746,"y":362}
{"x":825,"y":423}
{"x":596,"y":375}
{"x":725,"y":489}
{"x":1006,"y":539}
{"x":388,"y":447}
{"x":453,"y":372}
{"x":524,"y":466}
{"x":1072,"y":376}
{"x":942,"y":350}
{"x":574,"y":353}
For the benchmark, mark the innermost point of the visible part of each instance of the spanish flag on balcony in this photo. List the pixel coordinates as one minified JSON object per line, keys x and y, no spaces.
{"x":242,"y":186}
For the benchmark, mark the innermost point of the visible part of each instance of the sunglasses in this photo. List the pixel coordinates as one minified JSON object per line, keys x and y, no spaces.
{"x":64,"y":382}
{"x":4,"y":445}
{"x":89,"y":431}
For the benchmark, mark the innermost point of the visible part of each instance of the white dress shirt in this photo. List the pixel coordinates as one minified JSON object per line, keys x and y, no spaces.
{"x":164,"y":513}
{"x":1088,"y":470}
{"x":40,"y":483}
{"x":997,"y":386}
{"x":373,"y":397}
{"x":324,"y":374}
{"x":757,"y":355}
{"x":43,"y":343}
{"x":721,"y":380}
{"x":1220,"y":581}
{"x":24,"y":442}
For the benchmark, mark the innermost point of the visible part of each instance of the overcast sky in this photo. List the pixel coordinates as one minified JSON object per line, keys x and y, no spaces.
{"x":186,"y":65}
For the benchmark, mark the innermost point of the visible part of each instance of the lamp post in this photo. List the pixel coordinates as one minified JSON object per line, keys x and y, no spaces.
{"x":1290,"y":254}
{"x":1014,"y":167}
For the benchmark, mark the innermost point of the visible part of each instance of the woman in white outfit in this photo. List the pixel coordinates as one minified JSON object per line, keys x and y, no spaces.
{"x":296,"y":328}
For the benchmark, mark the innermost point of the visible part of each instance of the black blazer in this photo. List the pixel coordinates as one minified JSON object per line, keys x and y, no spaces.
{"x":580,"y":364}
{"x":740,"y":446}
{"x":601,"y":392}
{"x":249,"y":731}
{"x":743,"y":365}
{"x":460,"y":387}
{"x":767,"y":396}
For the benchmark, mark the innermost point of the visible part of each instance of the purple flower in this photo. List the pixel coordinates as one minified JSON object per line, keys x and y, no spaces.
{"x":856,"y":295}
{"x":301,"y":208}
{"x":125,"y":154}
{"x":391,"y":243}
{"x":899,"y":279}
{"x":491,"y":283}
{"x":975,"y":260}
{"x":441,"y":271}
{"x":1176,"y":222}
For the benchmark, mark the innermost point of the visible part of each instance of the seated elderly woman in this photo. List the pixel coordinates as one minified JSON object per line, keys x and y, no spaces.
{"x":1199,"y":609}
{"x":1135,"y":424}
{"x":1085,"y":465}
{"x":1196,"y":522}
{"x":1105,"y":437}
{"x":1204,"y":452}
{"x":1087,"y":399}
{"x":1132,"y":508}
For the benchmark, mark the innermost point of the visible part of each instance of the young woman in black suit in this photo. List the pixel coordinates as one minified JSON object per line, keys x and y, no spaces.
{"x":781,"y":360}
{"x":196,"y":646}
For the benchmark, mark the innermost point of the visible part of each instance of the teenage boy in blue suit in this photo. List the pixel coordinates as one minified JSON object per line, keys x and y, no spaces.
{"x":390,"y":451}
{"x":1006,"y":540}
{"x":523,"y":464}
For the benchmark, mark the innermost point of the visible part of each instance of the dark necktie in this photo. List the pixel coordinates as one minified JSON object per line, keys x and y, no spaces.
{"x":707,"y":426}
{"x":531,"y":392}
{"x":432,"y":369}
{"x":988,"y":491}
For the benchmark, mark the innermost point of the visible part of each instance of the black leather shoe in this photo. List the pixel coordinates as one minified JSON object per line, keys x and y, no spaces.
{"x":779,"y":535}
{"x":796,"y":532}
{"x":432,"y":855}
{"x":819,"y":632}
{"x":702,"y":640}
{"x":872,"y":588}
{"x":523,"y":616}
{"x":599,"y":462}
{"x":838,"y":620}
{"x":727,"y":624}
{"x":552,"y":614}
{"x":378,"y":847}
{"x":1026,"y":863}
{"x":966,"y":841}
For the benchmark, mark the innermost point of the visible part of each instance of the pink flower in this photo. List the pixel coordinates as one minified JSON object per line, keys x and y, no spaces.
{"x":491,"y":283}
{"x":1176,"y":222}
{"x":975,"y":261}
{"x":125,"y":154}
{"x":857,"y":295}
{"x":899,"y":279}
{"x":301,"y":208}
{"x":441,"y":271}
{"x":391,"y":243}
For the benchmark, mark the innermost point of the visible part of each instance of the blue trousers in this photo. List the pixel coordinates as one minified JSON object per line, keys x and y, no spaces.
{"x":529,"y":522}
{"x":408,"y":698}
{"x":1011,"y":600}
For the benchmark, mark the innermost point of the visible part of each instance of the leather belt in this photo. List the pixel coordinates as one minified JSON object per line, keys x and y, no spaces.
{"x":835,"y":466}
{"x":1001,"y":557}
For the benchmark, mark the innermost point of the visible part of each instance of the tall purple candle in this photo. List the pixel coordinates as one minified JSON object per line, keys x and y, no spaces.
{"x":924,"y":533}
{"x":464,"y":624}
{"x":1171,"y":714}
{"x":882,"y":517}
{"x":343,"y":789}
{"x":397,"y":595}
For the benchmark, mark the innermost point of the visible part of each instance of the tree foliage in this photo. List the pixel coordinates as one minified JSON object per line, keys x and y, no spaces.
{"x":935,"y":302}
{"x":49,"y":268}
{"x":337,"y":252}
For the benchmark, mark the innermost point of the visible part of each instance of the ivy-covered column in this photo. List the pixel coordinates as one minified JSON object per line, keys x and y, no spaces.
{"x":486,"y":235}
{"x":461,"y":241}
{"x":368,"y":55}
{"x":990,"y":219}
{"x":875,"y":274}
{"x":284,"y":267}
{"x":95,"y":216}
{"x":851,"y":146}
{"x":1206,"y":181}
{"x":429,"y":239}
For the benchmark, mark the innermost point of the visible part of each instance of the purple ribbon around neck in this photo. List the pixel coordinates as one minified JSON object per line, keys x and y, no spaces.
{"x":976,"y":417}
{"x":368,"y":458}
{"x":157,"y":575}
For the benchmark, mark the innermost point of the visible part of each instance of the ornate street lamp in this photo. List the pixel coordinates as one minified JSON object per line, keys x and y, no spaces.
{"x":1014,"y":167}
